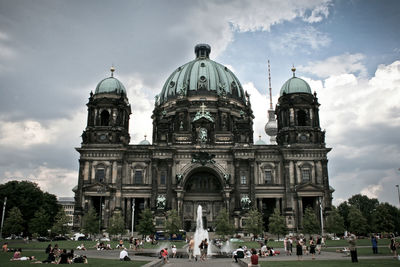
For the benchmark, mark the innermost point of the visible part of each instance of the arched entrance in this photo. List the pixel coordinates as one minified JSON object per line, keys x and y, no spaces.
{"x":202,"y":187}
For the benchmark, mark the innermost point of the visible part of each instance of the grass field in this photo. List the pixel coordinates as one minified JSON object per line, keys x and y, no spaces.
{"x":332,"y":263}
{"x":363,"y":251}
{"x":5,"y":260}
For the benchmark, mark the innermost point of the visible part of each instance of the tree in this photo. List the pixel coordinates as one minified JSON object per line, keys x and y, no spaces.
{"x":13,"y":224}
{"x":146,"y":225}
{"x":357,"y":222}
{"x":254,"y":222}
{"x":382,"y":220}
{"x":310,"y":222}
{"x":343,"y":210}
{"x":116,"y":225}
{"x":366,"y":206}
{"x":173,"y":222}
{"x":60,"y":226}
{"x":91,"y":222}
{"x":334,"y":222}
{"x":40,"y":223}
{"x":223,"y":226}
{"x":277,"y":223}
{"x":27,"y":196}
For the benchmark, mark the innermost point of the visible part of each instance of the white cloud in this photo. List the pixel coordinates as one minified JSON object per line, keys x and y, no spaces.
{"x":28,"y":133}
{"x":337,"y":65}
{"x":56,"y":181}
{"x":252,"y":15}
{"x":372,"y":191}
{"x":300,"y":39}
{"x":318,"y":14}
{"x":360,"y":115}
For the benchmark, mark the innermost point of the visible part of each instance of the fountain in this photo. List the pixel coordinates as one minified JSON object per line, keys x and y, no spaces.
{"x":200,"y":233}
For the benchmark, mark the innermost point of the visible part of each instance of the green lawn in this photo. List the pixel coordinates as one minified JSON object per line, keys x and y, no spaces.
{"x":382,"y":251}
{"x":73,"y":244}
{"x":332,"y":263}
{"x":329,"y":243}
{"x":5,"y":260}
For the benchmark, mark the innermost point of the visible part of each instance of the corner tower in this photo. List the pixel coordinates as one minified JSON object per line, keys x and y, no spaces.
{"x":297,"y":113}
{"x":108,"y":114}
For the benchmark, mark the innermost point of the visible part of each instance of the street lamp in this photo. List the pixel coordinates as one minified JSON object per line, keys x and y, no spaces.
{"x":133,"y":214}
{"x":2,"y":217}
{"x":100,"y":191}
{"x":322,"y":218}
{"x":398,"y":191}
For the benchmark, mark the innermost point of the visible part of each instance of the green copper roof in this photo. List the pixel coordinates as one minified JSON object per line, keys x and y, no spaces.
{"x":260,"y":142}
{"x":295,"y":85}
{"x":110,"y":85}
{"x":202,"y":75}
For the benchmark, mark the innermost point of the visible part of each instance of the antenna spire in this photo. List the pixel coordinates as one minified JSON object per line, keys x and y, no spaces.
{"x":270,"y":87}
{"x":112,"y":69}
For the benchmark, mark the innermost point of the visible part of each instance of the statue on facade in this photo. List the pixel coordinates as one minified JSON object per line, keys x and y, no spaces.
{"x":179,"y":178}
{"x":245,"y":202}
{"x":202,"y":135}
{"x":161,"y":202}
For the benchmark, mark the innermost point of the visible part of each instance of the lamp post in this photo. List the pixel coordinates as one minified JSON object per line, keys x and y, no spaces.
{"x":101,"y":192}
{"x":133,"y":215}
{"x":2,"y":217}
{"x":398,"y":192}
{"x":321,"y":213}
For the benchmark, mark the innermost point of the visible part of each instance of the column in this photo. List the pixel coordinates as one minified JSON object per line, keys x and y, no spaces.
{"x":260,"y":207}
{"x":237,"y":183}
{"x":128,"y":212}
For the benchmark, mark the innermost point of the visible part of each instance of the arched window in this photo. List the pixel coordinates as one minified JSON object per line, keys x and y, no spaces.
{"x":301,"y":118}
{"x":104,"y":118}
{"x":100,"y":173}
{"x":138,"y":179}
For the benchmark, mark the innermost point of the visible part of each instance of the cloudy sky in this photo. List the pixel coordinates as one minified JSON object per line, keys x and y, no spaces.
{"x":53,"y":53}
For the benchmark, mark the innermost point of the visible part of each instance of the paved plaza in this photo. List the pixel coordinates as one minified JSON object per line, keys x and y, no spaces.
{"x":221,"y":262}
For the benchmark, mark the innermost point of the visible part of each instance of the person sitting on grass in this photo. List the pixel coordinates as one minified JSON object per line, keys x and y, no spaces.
{"x":31,"y":258}
{"x":5,"y":247}
{"x":123,"y":255}
{"x":17,"y":254}
{"x":64,"y":258}
{"x":81,"y":247}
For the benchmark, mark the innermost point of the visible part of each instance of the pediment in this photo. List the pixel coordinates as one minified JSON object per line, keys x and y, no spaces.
{"x":97,"y":187}
{"x":308,"y":187}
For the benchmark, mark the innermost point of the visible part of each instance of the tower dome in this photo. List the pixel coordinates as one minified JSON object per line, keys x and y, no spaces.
{"x":110,"y":85}
{"x":295,"y":85}
{"x":202,"y":76}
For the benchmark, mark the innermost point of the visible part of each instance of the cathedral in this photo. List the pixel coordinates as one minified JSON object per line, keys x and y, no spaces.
{"x":203,"y":153}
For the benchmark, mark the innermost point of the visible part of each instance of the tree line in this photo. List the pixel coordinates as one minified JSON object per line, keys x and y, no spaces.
{"x":30,"y":212}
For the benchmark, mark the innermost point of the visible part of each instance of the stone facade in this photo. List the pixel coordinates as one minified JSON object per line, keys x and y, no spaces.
{"x":202,"y":153}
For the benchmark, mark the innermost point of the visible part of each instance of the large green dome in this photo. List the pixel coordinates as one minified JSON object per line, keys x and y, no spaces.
{"x":110,"y":85}
{"x":202,"y":76}
{"x":295,"y":85}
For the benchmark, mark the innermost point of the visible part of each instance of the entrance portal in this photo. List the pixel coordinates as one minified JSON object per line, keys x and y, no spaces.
{"x":203,"y":188}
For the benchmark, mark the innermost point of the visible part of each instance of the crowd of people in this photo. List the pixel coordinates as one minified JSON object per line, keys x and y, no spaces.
{"x":55,"y":255}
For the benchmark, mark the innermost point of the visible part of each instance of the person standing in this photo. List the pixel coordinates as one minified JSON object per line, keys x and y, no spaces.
{"x":312,"y":248}
{"x":299,"y":249}
{"x":374,"y":242}
{"x":353,"y":248}
{"x":191,"y":248}
{"x":393,"y":246}
{"x":319,"y":244}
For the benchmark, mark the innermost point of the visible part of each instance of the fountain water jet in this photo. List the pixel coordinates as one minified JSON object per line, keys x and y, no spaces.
{"x":200,"y":233}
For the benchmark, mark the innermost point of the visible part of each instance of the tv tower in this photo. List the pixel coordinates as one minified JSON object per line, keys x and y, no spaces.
{"x":271,"y":128}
